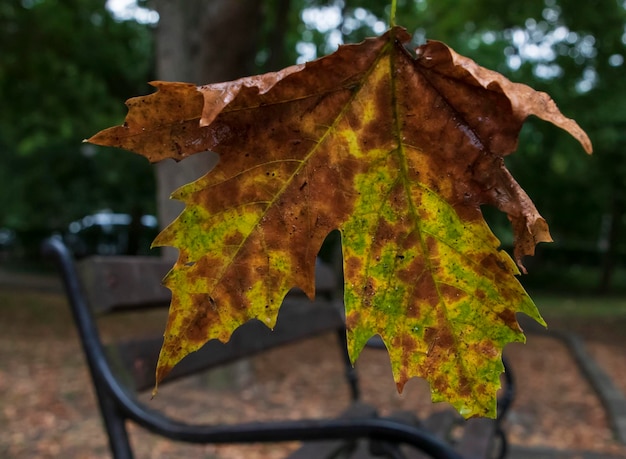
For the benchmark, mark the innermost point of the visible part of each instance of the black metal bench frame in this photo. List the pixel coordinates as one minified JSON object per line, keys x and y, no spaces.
{"x":119,"y":405}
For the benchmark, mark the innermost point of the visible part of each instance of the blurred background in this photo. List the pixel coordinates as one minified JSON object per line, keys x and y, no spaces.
{"x":67,"y":66}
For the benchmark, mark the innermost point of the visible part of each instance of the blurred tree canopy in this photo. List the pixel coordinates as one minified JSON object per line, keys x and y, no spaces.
{"x":572,"y":50}
{"x":66,"y":65}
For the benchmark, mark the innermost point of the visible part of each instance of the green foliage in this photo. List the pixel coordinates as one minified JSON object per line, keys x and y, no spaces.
{"x":62,"y":66}
{"x":63,"y":62}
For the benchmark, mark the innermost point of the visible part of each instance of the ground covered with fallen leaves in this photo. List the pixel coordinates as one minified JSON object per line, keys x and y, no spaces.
{"x":48,"y":410}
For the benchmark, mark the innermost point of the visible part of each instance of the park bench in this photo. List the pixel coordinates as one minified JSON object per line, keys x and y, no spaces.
{"x":107,"y":285}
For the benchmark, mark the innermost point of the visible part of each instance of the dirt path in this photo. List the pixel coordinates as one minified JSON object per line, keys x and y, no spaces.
{"x":47,"y":408}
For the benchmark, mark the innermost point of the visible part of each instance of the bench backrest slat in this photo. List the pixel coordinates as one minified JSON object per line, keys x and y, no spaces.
{"x":112,"y":283}
{"x":120,"y":282}
{"x":298,"y":319}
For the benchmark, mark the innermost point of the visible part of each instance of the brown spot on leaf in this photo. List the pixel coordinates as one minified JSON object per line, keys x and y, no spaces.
{"x":488,"y":349}
{"x":451,"y":293}
{"x":405,"y":342}
{"x":492,"y":263}
{"x":413,"y":311}
{"x":352,"y":267}
{"x":440,"y":384}
{"x":205,"y":315}
{"x":508,"y":317}
{"x":439,"y":339}
{"x":410,"y":241}
{"x":352,"y":320}
{"x":465,"y":387}
{"x":420,"y":281}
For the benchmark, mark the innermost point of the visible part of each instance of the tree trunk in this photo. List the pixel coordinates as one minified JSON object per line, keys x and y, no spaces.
{"x":276,"y":44}
{"x":201,"y":42}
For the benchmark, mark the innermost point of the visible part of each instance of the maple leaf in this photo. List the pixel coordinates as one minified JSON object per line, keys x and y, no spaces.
{"x":398,"y":152}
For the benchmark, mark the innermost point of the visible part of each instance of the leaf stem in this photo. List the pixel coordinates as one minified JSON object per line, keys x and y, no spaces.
{"x":392,"y":14}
